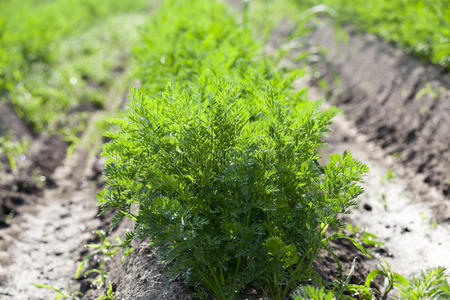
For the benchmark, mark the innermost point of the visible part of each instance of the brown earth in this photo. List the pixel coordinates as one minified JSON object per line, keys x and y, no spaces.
{"x":48,"y":211}
{"x":34,"y":169}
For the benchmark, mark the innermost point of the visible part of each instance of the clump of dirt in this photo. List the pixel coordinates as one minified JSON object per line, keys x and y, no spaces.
{"x":9,"y":203}
{"x":140,"y":276}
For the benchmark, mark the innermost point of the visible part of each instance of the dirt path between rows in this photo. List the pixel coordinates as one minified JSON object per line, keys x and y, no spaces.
{"x":45,"y":244}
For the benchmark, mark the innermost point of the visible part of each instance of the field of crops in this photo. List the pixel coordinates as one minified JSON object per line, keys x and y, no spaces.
{"x":203,"y":149}
{"x":421,"y":27}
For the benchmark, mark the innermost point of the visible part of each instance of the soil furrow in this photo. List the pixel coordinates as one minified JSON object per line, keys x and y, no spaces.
{"x":409,"y":120}
{"x":45,"y":243}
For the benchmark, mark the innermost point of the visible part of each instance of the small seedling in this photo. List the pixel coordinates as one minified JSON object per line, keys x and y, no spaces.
{"x":391,"y":278}
{"x":430,"y":220}
{"x":101,"y":251}
{"x":12,"y":149}
{"x":427,"y":90}
{"x":60,"y":294}
{"x":388,"y":177}
{"x":384,"y":201}
{"x":367,"y":239}
{"x":109,"y":294}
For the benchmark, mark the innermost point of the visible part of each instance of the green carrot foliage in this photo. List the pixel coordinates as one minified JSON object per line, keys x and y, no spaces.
{"x":216,"y":159}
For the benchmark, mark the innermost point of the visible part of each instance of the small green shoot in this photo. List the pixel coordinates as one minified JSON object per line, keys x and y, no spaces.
{"x":12,"y":149}
{"x":427,"y":90}
{"x":388,"y":177}
{"x":109,"y":294}
{"x":59,"y":293}
{"x":384,"y":201}
{"x":391,"y":278}
{"x":105,"y":249}
{"x":367,"y":239}
{"x":323,"y":85}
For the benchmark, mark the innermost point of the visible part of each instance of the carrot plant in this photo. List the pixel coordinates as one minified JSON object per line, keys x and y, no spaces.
{"x":429,"y":284}
{"x":216,"y":159}
{"x":11,"y":150}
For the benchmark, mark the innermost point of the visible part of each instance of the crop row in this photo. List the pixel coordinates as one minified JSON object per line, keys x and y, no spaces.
{"x":419,"y":26}
{"x":45,"y":52}
{"x":216,"y":159}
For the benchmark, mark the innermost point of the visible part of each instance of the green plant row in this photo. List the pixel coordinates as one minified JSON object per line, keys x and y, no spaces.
{"x":29,"y":30}
{"x":419,"y":26}
{"x":216,"y":159}
{"x":59,"y":98}
{"x":429,"y":284}
{"x":78,"y":81}
{"x":57,"y":60}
